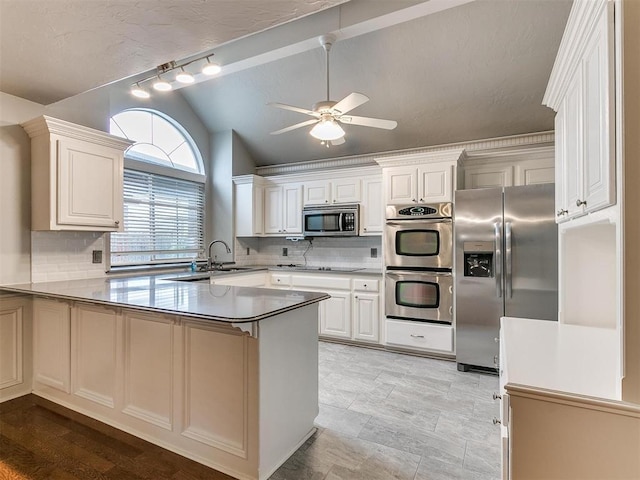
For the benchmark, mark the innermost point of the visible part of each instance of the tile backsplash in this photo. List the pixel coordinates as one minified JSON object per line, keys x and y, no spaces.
{"x":316,"y":252}
{"x":66,"y":255}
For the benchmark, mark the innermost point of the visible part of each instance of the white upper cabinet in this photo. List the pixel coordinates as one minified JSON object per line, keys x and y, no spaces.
{"x":581,"y":90}
{"x":372,"y":207}
{"x":248,"y":205}
{"x":420,"y":178}
{"x":324,"y":192}
{"x":283,"y":209}
{"x":76,"y":177}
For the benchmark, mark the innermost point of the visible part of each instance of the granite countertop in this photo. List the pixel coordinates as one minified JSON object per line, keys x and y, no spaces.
{"x":157,"y":293}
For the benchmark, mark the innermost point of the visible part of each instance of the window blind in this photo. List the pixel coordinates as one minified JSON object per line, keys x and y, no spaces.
{"x":163,"y":220}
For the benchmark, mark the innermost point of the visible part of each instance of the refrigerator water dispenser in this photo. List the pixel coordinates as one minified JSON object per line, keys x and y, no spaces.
{"x":478,"y":259}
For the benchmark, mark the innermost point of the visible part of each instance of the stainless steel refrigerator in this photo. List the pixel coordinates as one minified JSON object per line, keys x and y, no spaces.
{"x":506,"y":264}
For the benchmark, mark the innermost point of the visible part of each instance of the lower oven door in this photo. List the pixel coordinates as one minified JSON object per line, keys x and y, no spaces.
{"x":419,"y":295}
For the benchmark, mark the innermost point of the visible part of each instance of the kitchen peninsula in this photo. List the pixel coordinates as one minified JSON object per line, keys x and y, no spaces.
{"x":224,"y":375}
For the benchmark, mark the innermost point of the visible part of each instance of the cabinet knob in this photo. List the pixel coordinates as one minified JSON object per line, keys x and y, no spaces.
{"x":334,"y":200}
{"x":356,"y":296}
{"x":117,"y":222}
{"x":496,"y":339}
{"x":365,"y":229}
{"x":581,"y":202}
{"x":326,"y":201}
{"x":365,"y":285}
{"x":495,"y":360}
{"x":496,"y":396}
{"x":284,"y":231}
{"x":562,"y":212}
{"x":414,"y":200}
{"x":496,"y":421}
{"x":421,"y":200}
{"x":279,"y":231}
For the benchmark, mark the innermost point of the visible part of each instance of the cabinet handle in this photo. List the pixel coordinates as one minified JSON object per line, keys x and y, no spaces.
{"x":496,"y":396}
{"x":496,"y":421}
{"x":581,"y":202}
{"x":417,"y":336}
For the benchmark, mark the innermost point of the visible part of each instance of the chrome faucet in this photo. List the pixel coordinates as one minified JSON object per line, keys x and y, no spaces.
{"x":210,"y":263}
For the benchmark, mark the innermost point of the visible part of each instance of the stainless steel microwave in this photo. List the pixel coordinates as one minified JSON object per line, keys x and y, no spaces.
{"x":331,"y":221}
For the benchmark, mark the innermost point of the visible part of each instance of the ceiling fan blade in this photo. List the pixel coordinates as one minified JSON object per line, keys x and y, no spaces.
{"x":369,"y":122}
{"x":294,"y":109}
{"x":350,"y":102}
{"x":293,"y":127}
{"x":339,"y":141}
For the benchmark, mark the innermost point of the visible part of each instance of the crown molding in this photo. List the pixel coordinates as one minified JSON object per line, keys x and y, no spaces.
{"x":582,"y":21}
{"x":495,"y":145}
{"x":45,"y":125}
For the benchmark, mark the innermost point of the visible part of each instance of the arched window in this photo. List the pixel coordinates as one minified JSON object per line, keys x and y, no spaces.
{"x":163,"y":192}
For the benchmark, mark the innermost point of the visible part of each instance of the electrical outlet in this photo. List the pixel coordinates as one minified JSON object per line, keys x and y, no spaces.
{"x":285,"y":251}
{"x":374,"y":253}
{"x":248,"y":251}
{"x":96,"y":256}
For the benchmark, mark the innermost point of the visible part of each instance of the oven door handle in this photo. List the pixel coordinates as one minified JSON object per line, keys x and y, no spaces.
{"x":429,"y":221}
{"x":340,"y":225}
{"x":498,"y":257}
{"x":424,"y":273}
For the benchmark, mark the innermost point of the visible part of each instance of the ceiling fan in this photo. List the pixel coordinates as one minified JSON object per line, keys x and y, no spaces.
{"x":328,"y":115}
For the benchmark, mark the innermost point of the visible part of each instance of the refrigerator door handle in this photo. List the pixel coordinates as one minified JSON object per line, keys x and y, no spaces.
{"x":498,"y":258}
{"x":507,"y":259}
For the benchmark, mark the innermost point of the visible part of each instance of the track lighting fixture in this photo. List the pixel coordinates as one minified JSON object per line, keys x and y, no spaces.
{"x":184,"y":77}
{"x":159,"y":80}
{"x":211,"y":68}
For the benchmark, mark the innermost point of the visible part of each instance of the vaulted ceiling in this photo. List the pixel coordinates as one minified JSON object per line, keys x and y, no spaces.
{"x":445,"y":70}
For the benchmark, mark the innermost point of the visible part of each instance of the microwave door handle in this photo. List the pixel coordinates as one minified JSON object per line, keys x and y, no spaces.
{"x":498,"y":258}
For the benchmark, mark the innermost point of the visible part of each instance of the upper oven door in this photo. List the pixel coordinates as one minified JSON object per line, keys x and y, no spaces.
{"x":419,"y":243}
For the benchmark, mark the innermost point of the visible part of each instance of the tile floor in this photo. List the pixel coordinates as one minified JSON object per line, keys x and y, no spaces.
{"x":386,"y":415}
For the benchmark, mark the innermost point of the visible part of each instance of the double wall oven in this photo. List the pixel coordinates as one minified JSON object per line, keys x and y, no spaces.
{"x":418,"y":247}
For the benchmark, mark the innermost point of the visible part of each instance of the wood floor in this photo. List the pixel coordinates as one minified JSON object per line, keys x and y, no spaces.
{"x":40,"y":440}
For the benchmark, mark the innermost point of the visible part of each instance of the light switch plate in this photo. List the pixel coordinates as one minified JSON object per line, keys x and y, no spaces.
{"x":96,"y":256}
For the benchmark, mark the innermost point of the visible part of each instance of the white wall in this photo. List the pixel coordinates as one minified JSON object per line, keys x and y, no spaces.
{"x":15,"y":189}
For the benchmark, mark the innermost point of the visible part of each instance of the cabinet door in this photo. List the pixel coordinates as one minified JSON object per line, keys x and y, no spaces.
{"x":249,"y":222}
{"x":335,"y":315}
{"x":401,"y":185}
{"x":599,"y":120}
{"x":317,"y":193}
{"x":366,"y":314}
{"x":273,"y":209}
{"x":11,"y":339}
{"x":435,"y":183}
{"x":51,"y":344}
{"x":572,"y":143}
{"x":488,"y":176}
{"x":292,"y":213}
{"x":89,"y":182}
{"x":94,"y":354}
{"x":372,"y":208}
{"x":561,"y":163}
{"x":345,"y":190}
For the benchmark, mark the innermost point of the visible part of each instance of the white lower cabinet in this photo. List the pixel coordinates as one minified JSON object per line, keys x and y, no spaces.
{"x":335,"y":315}
{"x":148,"y":377}
{"x":15,"y":347}
{"x":52,"y":344}
{"x":419,"y":335}
{"x":94,"y":353}
{"x":352,"y":312}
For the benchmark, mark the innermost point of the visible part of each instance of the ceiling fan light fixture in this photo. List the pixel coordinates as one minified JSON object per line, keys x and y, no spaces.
{"x":184,"y":76}
{"x":327,"y":129}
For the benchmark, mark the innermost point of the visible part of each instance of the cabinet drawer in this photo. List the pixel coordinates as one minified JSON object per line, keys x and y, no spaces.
{"x":280,"y":280}
{"x":366,"y":285}
{"x":419,"y":335}
{"x":324,"y":282}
